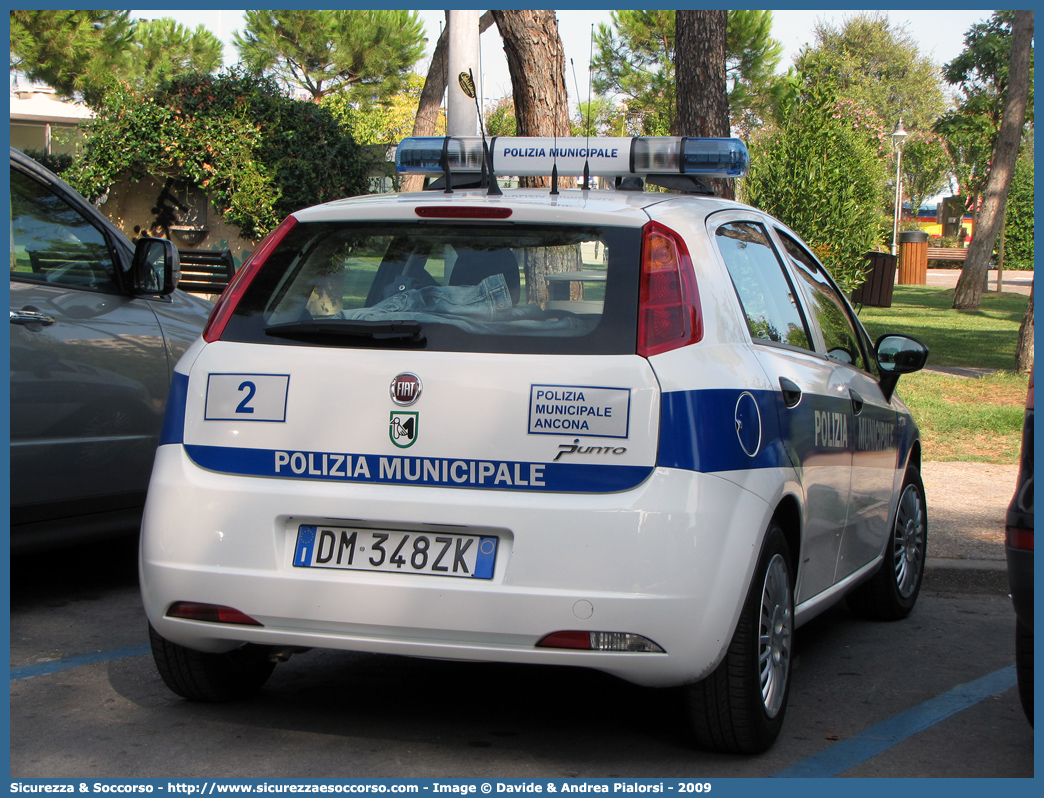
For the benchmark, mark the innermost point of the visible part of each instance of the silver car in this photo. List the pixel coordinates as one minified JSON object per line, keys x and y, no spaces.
{"x":96,"y":328}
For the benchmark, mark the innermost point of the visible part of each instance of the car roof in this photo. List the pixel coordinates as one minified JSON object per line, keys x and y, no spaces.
{"x":530,"y":205}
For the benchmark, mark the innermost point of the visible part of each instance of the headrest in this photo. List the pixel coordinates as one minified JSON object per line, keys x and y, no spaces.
{"x":475,"y":265}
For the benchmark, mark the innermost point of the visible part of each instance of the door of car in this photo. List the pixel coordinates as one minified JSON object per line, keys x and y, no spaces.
{"x":89,"y":370}
{"x":874,"y":434}
{"x":813,"y":405}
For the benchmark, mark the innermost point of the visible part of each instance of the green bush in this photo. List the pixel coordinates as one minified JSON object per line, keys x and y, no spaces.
{"x":57,"y":162}
{"x":261,"y":154}
{"x":943,"y":241}
{"x":821,"y":173}
{"x":1018,"y":217}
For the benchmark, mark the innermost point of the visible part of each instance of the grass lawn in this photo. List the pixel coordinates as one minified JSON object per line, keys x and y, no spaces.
{"x":983,"y":338}
{"x":966,"y":418}
{"x":961,"y":418}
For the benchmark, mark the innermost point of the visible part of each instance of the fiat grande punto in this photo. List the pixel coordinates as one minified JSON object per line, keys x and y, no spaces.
{"x":635,"y":431}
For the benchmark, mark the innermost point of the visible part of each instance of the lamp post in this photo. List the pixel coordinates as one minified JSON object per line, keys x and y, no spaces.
{"x":897,"y":141}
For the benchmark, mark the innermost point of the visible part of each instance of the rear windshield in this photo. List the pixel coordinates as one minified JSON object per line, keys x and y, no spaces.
{"x":447,"y":287}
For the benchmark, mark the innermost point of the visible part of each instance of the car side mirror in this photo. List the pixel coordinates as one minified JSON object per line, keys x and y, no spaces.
{"x":156,"y":267}
{"x":898,"y":354}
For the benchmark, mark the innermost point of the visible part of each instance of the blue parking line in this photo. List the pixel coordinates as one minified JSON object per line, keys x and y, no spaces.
{"x":856,"y":750}
{"x":835,"y":760}
{"x":63,"y":664}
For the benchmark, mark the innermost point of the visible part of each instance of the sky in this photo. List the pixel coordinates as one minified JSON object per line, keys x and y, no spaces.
{"x":939,"y":34}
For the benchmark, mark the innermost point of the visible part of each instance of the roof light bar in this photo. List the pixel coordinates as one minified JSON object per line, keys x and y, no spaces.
{"x":521,"y":156}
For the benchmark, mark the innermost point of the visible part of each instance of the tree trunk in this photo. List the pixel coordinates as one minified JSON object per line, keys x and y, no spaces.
{"x":1000,"y":255}
{"x":431,"y":95}
{"x":536,"y":63}
{"x":699,"y":69}
{"x":1024,"y":349}
{"x":968,"y":295}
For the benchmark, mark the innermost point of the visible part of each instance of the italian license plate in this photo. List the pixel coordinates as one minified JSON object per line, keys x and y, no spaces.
{"x":462,"y":556}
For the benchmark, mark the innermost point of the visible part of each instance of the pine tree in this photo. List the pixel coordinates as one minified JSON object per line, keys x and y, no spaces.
{"x":703,"y":106}
{"x":366,"y":53}
{"x":74,"y":52}
{"x":162,"y":49}
{"x":635,"y":57}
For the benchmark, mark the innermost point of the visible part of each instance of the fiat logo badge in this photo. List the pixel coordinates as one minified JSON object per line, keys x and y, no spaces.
{"x":405,"y":389}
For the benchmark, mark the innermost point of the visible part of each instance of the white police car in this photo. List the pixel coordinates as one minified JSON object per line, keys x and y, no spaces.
{"x":633,"y":431}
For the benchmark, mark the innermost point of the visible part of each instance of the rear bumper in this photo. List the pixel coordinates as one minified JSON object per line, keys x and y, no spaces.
{"x":670,"y":560}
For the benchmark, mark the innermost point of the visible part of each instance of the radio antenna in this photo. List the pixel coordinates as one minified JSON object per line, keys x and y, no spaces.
{"x":467,"y":85}
{"x":590,"y":72}
{"x":587,"y":158}
{"x":554,"y":152}
{"x":554,"y":127}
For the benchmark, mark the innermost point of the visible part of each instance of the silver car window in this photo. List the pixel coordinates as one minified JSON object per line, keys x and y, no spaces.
{"x":52,"y":243}
{"x":826,"y":307}
{"x":764,"y":292}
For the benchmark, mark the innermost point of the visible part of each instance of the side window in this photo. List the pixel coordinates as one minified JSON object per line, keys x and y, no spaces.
{"x":763,"y":288}
{"x":868,"y":351}
{"x":52,"y":243}
{"x":843,"y":341}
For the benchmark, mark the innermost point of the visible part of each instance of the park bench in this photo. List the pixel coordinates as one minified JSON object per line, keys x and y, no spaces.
{"x":946,"y":253}
{"x":205,"y":271}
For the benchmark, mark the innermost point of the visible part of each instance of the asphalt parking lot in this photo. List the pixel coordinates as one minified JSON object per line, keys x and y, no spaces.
{"x":868,"y":699}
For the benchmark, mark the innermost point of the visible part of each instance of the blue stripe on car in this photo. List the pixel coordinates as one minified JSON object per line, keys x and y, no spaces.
{"x":429,"y":471}
{"x":174,"y":420}
{"x":698,"y":432}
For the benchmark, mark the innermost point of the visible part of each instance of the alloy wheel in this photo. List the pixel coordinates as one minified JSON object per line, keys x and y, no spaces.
{"x":908,"y":542}
{"x":777,"y":624}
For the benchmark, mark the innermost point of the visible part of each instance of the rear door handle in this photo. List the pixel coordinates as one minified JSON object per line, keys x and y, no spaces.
{"x":30,"y":315}
{"x":857,"y":402}
{"x":791,"y":392}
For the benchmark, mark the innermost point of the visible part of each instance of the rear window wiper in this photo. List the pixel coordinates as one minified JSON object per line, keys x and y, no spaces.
{"x":392,"y":332}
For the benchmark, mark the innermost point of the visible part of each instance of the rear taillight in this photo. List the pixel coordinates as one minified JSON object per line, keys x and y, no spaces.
{"x":1018,"y":538}
{"x":212,"y":613}
{"x":600,"y":641}
{"x":669,"y":302}
{"x":237,"y":286}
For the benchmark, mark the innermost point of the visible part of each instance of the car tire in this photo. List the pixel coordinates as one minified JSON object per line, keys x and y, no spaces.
{"x":891,"y":593}
{"x":211,"y":678}
{"x":739,"y":708}
{"x":1024,"y":667}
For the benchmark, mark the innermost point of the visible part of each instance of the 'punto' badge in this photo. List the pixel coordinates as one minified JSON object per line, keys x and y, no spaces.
{"x":405,"y":389}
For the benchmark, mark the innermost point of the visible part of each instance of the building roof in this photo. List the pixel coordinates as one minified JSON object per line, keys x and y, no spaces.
{"x":40,"y":105}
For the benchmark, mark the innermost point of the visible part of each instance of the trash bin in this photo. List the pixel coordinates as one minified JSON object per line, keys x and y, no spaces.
{"x":913,"y":258}
{"x":876,"y":292}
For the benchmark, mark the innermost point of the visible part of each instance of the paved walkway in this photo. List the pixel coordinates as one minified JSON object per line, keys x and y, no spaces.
{"x":967,"y":504}
{"x":1014,"y":282}
{"x":960,"y":371}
